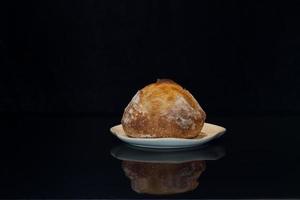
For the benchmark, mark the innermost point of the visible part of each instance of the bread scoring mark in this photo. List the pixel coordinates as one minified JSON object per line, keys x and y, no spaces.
{"x":196,"y":102}
{"x":182,"y":113}
{"x":136,"y":98}
{"x":134,"y":109}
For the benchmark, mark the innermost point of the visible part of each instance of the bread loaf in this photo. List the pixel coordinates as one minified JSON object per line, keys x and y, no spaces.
{"x":163,"y":109}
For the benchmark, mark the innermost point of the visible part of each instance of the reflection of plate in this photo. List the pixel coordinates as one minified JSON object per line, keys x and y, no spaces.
{"x":211,"y":132}
{"x":125,"y":152}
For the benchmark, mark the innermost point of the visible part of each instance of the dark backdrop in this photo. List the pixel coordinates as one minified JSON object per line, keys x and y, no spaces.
{"x":236,"y":57}
{"x":62,"y":61}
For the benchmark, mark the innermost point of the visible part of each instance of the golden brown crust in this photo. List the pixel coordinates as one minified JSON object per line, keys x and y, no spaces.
{"x":163,"y":109}
{"x":163,"y":178}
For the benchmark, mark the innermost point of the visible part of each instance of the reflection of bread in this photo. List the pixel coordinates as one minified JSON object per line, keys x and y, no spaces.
{"x":163,"y":178}
{"x":163,"y":109}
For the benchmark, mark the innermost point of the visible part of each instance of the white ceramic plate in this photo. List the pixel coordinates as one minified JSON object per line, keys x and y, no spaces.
{"x":130,"y":153}
{"x":211,"y":132}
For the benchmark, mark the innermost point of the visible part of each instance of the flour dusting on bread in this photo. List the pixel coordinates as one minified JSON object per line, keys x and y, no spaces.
{"x":182,"y":113}
{"x":136,"y":98}
{"x":133,"y":109}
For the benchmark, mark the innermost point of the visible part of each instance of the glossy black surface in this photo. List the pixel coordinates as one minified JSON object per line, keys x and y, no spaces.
{"x":70,"y":157}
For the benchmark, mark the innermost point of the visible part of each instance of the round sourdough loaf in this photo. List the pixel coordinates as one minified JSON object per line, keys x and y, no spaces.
{"x":163,"y":109}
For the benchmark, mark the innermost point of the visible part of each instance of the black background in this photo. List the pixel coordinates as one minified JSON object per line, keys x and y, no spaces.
{"x":236,"y":57}
{"x":69,"y":68}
